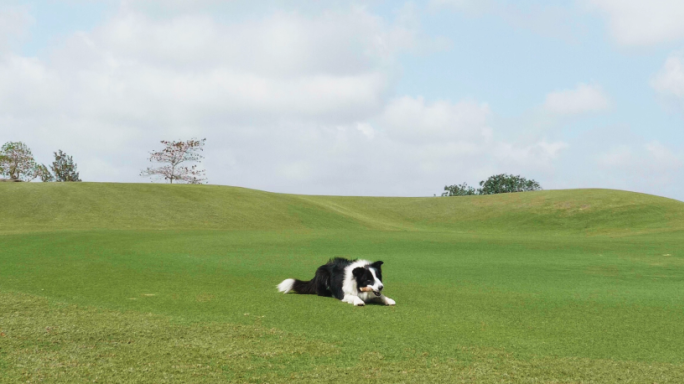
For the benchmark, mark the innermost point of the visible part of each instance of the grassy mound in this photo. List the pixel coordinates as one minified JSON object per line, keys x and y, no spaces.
{"x":160,"y":283}
{"x":80,"y":206}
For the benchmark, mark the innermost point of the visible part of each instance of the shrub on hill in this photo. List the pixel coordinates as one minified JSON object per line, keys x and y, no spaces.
{"x":501,"y":183}
{"x":64,"y":168}
{"x":459,"y":190}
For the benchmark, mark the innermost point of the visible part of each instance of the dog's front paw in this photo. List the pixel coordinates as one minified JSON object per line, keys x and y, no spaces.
{"x":358,"y":302}
{"x":389,"y":301}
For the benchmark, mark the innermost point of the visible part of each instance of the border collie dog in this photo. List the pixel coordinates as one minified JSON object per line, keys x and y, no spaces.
{"x":355,"y":282}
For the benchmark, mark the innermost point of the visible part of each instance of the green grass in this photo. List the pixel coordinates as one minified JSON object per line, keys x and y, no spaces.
{"x":159,"y":283}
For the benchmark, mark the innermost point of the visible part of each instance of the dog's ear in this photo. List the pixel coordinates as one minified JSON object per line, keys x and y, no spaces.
{"x":377,"y":264}
{"x":358,"y":272}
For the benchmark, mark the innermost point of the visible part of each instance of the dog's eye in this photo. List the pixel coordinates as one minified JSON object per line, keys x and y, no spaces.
{"x":369,"y":282}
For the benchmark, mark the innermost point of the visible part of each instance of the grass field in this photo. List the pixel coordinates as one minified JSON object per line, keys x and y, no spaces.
{"x":159,"y":283}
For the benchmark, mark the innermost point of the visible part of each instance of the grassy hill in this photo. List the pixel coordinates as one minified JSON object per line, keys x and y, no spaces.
{"x":158,"y":283}
{"x":81,"y":206}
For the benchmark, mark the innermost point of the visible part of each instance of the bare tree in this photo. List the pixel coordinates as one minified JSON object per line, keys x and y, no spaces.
{"x":174,"y":154}
{"x":16,"y":162}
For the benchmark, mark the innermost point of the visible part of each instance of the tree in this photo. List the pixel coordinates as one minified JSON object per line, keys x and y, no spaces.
{"x":43,"y":172}
{"x":501,"y":183}
{"x":174,"y":154}
{"x":459,"y":190}
{"x":64,"y":167}
{"x":16,"y":161}
{"x":504,"y":183}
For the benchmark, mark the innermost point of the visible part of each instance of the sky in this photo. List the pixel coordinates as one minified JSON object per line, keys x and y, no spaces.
{"x":372,"y":98}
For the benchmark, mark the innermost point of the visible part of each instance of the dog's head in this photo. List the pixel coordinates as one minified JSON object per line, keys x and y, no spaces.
{"x":369,"y":278}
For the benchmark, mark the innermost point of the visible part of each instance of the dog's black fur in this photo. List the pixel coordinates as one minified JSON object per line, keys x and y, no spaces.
{"x":329,"y":278}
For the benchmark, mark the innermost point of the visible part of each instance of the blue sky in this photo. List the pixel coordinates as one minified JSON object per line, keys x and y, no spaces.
{"x":354,"y":98}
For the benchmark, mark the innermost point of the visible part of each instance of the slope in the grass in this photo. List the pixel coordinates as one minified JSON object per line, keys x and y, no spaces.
{"x":84,"y":206}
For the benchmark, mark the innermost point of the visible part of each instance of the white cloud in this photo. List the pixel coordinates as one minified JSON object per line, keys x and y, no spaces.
{"x":366,"y":129}
{"x":109,"y":95}
{"x":288,"y":102}
{"x":539,"y":155}
{"x":14,"y":23}
{"x":192,"y":69}
{"x":411,"y":119}
{"x":642,"y":23}
{"x":669,"y":81}
{"x":647,"y":167}
{"x":583,"y":99}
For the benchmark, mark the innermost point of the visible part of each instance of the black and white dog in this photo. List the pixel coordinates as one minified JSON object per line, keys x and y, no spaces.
{"x":352,"y":281}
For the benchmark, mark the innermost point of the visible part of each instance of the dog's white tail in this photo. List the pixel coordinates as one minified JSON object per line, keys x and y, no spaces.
{"x":286,"y":285}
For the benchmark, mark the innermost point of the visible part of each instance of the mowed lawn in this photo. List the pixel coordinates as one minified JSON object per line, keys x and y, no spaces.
{"x":159,"y":283}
